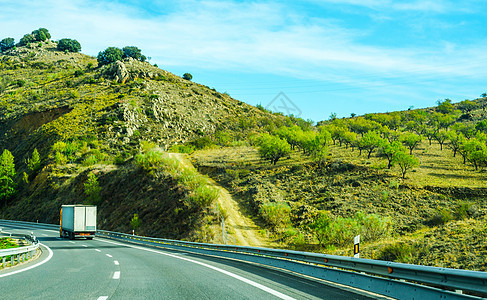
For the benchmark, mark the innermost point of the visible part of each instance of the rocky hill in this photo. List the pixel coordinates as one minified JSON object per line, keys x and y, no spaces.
{"x":84,"y":119}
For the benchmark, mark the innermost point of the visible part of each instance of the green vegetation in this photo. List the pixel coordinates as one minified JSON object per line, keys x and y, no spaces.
{"x":109,"y":55}
{"x":6,"y":243}
{"x":135,"y":222}
{"x":412,"y":183}
{"x":187,"y":76}
{"x":7,"y":175}
{"x":69,"y":45}
{"x":6,"y":44}
{"x":92,"y":190}
{"x":273,"y":148}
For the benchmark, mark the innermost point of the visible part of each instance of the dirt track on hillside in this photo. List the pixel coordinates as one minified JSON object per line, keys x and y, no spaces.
{"x":241,"y":229}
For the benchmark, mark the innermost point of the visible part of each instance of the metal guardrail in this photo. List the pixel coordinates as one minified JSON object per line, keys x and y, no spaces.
{"x":398,"y":280}
{"x":19,"y":254}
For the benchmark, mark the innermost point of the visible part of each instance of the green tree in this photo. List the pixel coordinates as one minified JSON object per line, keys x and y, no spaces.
{"x":27,"y":39}
{"x":135,"y":222}
{"x":441,"y":136}
{"x":467,"y":105}
{"x":6,"y":43}
{"x":7,"y":175}
{"x":273,"y":148}
{"x":132,"y":51}
{"x":92,"y":190}
{"x":69,"y":45}
{"x":475,"y":151}
{"x":405,"y":162}
{"x":34,"y":163}
{"x":109,"y":55}
{"x":445,"y":106}
{"x":389,"y":150}
{"x":410,"y":140}
{"x":369,"y":142}
{"x":456,"y":139}
{"x":187,"y":76}
{"x":41,"y":34}
{"x":349,"y":138}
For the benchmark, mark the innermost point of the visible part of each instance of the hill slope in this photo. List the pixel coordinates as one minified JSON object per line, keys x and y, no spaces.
{"x":107,"y":121}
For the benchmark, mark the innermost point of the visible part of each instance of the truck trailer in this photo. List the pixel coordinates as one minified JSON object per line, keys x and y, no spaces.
{"x":77,"y":221}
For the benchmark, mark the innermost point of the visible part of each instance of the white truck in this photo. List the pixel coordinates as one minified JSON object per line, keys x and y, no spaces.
{"x":78,"y":221}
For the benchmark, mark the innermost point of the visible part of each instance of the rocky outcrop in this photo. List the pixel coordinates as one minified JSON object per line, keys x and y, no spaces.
{"x":116,"y":71}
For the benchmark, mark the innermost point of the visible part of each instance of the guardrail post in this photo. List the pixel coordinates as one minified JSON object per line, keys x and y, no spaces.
{"x":12,"y":260}
{"x":3,"y":261}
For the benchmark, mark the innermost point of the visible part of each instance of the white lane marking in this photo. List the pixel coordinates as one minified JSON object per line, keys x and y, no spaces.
{"x":71,"y":242}
{"x":116,"y":262}
{"x":116,"y":275}
{"x":102,"y":298}
{"x":108,"y":255}
{"x":84,"y":245}
{"x":238,"y":277}
{"x":43,"y":234}
{"x":34,"y":266}
{"x":97,"y":250}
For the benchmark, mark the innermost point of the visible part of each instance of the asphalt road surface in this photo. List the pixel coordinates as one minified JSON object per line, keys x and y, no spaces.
{"x":105,"y":269}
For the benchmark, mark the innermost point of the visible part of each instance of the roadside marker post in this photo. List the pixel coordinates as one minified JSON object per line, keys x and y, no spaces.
{"x":356,"y":246}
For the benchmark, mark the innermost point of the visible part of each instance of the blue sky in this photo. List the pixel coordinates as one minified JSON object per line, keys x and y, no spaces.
{"x":329,"y":56}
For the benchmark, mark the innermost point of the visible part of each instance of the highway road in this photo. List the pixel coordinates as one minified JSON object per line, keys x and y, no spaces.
{"x":105,"y":269}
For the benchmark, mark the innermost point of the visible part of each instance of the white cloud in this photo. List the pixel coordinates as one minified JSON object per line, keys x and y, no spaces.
{"x":251,"y":37}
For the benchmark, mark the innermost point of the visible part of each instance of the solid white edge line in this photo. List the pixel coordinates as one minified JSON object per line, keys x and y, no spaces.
{"x":72,"y":242}
{"x":116,"y":275}
{"x":238,"y":277}
{"x":33,"y":266}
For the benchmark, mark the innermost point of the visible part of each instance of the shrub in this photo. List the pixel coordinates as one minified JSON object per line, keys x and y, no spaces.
{"x":6,"y":44}
{"x":440,"y":217}
{"x":41,"y":34}
{"x":132,"y":51}
{"x":149,"y":160}
{"x":276,"y":214}
{"x":92,"y":190}
{"x":109,"y":55}
{"x":340,"y":231}
{"x":202,"y":142}
{"x":398,"y":252}
{"x":187,"y":76}
{"x":203,"y":196}
{"x":182,"y":149}
{"x":69,"y":45}
{"x":26,"y":40}
{"x":79,"y":73}
{"x":34,"y":163}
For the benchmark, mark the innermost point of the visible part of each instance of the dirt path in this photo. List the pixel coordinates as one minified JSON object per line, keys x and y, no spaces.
{"x":240,"y":228}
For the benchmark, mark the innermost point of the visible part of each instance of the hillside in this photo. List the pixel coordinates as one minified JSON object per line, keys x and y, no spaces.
{"x":411,"y":183}
{"x":114,"y":122}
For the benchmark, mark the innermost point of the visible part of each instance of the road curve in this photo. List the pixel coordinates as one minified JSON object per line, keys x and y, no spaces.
{"x":104,"y":269}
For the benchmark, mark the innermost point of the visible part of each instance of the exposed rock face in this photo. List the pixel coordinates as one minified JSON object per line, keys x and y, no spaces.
{"x":117,"y":71}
